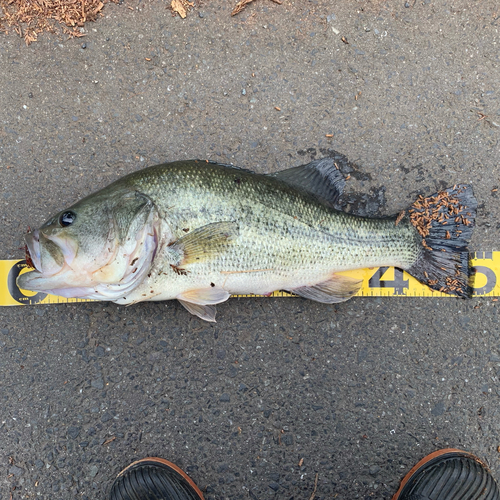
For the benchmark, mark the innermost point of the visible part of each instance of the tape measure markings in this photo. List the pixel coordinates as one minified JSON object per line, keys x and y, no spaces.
{"x":376,"y":282}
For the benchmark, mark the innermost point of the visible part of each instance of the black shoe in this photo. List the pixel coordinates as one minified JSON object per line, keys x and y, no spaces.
{"x":154,"y":479}
{"x":448,"y":475}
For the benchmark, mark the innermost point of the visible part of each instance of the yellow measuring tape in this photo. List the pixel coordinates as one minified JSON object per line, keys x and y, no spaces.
{"x":377,"y":282}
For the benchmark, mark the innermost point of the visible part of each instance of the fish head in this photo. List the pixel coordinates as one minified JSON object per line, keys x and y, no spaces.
{"x":101,"y":247}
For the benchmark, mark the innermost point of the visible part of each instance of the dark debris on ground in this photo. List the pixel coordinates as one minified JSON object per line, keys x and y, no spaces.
{"x":30,"y":18}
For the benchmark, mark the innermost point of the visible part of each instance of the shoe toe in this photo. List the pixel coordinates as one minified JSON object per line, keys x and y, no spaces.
{"x":449,"y":475}
{"x":154,"y":479}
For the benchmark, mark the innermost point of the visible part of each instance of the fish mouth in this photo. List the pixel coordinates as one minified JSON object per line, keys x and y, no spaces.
{"x":32,"y":249}
{"x":46,"y":259}
{"x":43,"y":254}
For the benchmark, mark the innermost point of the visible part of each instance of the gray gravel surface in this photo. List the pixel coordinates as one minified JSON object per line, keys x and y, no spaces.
{"x":279,"y":391}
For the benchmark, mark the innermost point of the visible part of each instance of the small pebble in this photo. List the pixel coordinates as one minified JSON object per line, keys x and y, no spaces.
{"x":407,"y":4}
{"x":84,"y":45}
{"x":438,"y":409}
{"x":106,"y":417}
{"x":73,"y":432}
{"x":16,"y":471}
{"x":274,"y":486}
{"x":98,"y":383}
{"x":93,"y":471}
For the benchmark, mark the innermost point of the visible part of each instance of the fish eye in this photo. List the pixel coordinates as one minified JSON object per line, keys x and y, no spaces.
{"x":67,"y":218}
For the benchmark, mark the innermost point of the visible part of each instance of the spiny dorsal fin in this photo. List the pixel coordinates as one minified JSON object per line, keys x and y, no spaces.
{"x":320,"y":178}
{"x":337,"y":289}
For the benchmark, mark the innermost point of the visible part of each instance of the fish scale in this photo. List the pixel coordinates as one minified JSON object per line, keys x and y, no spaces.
{"x":199,"y":232}
{"x":314,"y":236}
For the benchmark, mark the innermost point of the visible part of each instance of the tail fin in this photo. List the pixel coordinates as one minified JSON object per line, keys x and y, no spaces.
{"x":445,"y":221}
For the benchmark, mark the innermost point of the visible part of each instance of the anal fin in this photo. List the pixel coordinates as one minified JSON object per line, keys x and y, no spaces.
{"x":337,"y":289}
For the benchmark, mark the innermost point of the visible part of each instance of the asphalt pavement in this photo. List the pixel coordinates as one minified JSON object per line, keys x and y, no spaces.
{"x":281,"y":398}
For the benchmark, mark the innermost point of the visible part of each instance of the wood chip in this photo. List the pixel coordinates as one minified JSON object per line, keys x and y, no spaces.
{"x":425,"y":211}
{"x":313,"y":494}
{"x":400,"y":216}
{"x":110,"y":440}
{"x":30,"y":18}
{"x":181,"y":7}
{"x":240,"y":6}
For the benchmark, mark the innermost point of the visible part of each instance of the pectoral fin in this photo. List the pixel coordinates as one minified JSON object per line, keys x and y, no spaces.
{"x":337,"y":289}
{"x":205,"y":242}
{"x":201,"y":302}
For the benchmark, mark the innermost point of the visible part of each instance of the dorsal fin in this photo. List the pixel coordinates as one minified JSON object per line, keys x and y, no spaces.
{"x":321,"y":178}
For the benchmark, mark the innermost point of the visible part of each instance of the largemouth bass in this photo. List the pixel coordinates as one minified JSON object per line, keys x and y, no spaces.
{"x":199,"y":232}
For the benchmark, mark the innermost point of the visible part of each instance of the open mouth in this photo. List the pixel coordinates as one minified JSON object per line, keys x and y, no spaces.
{"x":43,"y":254}
{"x":27,"y":257}
{"x":50,"y":273}
{"x":32,"y":250}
